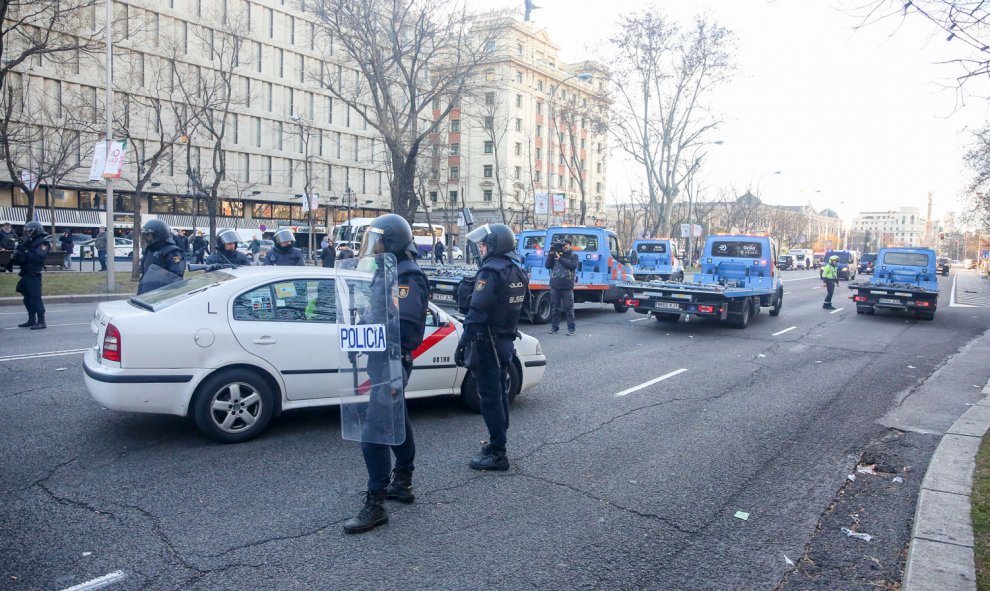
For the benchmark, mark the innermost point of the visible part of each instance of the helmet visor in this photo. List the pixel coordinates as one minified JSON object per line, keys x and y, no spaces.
{"x":478,"y":235}
{"x":228,"y":236}
{"x":147,"y":238}
{"x":373,"y":242}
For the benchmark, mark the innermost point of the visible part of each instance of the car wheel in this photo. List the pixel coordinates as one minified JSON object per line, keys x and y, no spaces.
{"x":541,"y":309}
{"x":778,"y":303}
{"x":233,"y":405}
{"x":469,"y":389}
{"x":620,"y":307}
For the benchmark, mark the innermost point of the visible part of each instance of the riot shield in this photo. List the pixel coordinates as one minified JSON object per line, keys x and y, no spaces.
{"x":156,"y":277}
{"x":369,"y":352}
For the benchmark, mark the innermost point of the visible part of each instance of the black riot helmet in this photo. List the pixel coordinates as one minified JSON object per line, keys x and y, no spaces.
{"x":387,"y":233}
{"x":284,"y":235}
{"x":155,"y":232}
{"x":32,"y":229}
{"x":497,"y":238}
{"x":227,"y":236}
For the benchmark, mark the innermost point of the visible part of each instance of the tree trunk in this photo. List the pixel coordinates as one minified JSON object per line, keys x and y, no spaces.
{"x":136,"y":233}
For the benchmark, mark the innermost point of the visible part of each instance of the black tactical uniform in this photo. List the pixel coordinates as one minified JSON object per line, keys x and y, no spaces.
{"x":226,"y":252}
{"x":30,"y":256}
{"x":285,"y":256}
{"x":489,"y":328}
{"x":162,"y":262}
{"x":391,"y":233}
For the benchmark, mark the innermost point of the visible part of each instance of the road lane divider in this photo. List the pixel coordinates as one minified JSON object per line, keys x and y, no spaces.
{"x":51,"y":325}
{"x":651,"y":382}
{"x":26,"y":356}
{"x":99,"y":582}
{"x":777,"y":334}
{"x":836,"y":311}
{"x":800,"y":279}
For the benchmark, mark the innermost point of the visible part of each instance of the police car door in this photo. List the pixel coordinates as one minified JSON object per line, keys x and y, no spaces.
{"x":290,"y":326}
{"x":434,"y":371}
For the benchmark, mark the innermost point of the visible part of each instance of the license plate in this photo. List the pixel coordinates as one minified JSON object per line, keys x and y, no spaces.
{"x":889,"y":301}
{"x":443,"y":297}
{"x":667,"y":305}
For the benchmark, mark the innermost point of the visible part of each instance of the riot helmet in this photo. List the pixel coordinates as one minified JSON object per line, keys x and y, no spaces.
{"x":281,"y":237}
{"x":155,"y":232}
{"x":32,"y":229}
{"x":227,"y":237}
{"x":496,"y":238}
{"x":387,"y":233}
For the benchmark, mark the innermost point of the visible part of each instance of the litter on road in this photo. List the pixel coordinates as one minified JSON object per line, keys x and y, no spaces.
{"x":742,"y":515}
{"x":897,"y":480}
{"x":856,"y":534}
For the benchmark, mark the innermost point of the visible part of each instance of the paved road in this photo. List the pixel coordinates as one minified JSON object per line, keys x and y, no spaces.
{"x":637,"y":491}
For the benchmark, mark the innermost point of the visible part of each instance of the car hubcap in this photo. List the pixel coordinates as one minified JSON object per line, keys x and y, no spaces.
{"x":235,"y":407}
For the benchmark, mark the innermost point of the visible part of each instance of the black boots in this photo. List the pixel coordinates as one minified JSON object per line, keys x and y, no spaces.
{"x":31,"y":322}
{"x":490,"y":459}
{"x":400,"y":489}
{"x":40,"y":324}
{"x":371,"y":516}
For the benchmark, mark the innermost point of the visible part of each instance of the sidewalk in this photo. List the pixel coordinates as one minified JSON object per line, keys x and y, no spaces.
{"x":69,"y":299}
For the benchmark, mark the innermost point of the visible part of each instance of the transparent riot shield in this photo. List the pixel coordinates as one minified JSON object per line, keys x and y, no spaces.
{"x":369,"y":352}
{"x":156,"y":277}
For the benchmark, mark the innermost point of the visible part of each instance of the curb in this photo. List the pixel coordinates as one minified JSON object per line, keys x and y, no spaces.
{"x":940,"y":557}
{"x":70,"y":299}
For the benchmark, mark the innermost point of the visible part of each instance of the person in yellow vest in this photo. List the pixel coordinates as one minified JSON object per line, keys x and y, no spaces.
{"x":830,"y":275}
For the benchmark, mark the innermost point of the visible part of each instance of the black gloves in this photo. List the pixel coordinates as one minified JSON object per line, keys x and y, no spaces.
{"x":459,"y":354}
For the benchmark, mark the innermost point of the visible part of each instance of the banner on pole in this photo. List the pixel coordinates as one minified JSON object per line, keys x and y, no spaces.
{"x":99,"y":162}
{"x":104,"y":167}
{"x":542,"y":204}
{"x":30,"y":178}
{"x":559,"y":203}
{"x":686,"y":230}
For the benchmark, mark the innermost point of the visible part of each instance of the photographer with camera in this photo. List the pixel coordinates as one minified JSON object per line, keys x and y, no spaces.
{"x":563,"y":267}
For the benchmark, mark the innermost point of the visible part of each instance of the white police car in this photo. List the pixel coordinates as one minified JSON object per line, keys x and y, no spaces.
{"x":232,"y":348}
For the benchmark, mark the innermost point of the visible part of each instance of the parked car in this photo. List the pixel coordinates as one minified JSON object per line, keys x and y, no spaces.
{"x":258,"y":341}
{"x":123,"y":248}
{"x":867,"y":262}
{"x":943,"y":266}
{"x":455,"y":253}
{"x":785,"y":262}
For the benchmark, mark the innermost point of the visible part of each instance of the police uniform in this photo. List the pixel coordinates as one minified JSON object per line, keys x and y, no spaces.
{"x":225,"y":257}
{"x":830,"y":276}
{"x":31,"y":258}
{"x":294,"y":257}
{"x":496,"y":303}
{"x":162,"y":263}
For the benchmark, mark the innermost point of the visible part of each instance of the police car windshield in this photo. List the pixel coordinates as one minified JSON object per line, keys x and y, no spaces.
{"x":163,"y":297}
{"x":737,"y":249}
{"x":651,"y":248}
{"x":579,"y":241}
{"x":907,"y":259}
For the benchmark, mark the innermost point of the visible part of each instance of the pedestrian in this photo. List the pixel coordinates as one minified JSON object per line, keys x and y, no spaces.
{"x":327,"y":254}
{"x":254,"y":247}
{"x":391,"y":233}
{"x":324,"y":242}
{"x":30,"y":256}
{"x":226,"y":252}
{"x":100,"y":242}
{"x":199,"y":246}
{"x":8,"y":237}
{"x":485,"y":347}
{"x":162,"y":263}
{"x":180,"y":239}
{"x":66,"y":245}
{"x":562,"y":263}
{"x":438,"y":252}
{"x":285,"y":254}
{"x":830,"y":275}
{"x":345,"y":252}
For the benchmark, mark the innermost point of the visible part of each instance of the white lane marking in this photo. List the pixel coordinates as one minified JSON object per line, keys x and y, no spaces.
{"x":952,"y":298}
{"x":42,"y":354}
{"x":651,"y":382}
{"x":836,"y":311}
{"x":800,"y":279}
{"x":50,"y":325}
{"x":100,"y":582}
{"x":22,"y":312}
{"x":777,"y":334}
{"x":640,"y":319}
{"x":787,"y":293}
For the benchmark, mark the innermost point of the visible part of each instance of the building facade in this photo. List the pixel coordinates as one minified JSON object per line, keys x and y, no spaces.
{"x":904,"y":227}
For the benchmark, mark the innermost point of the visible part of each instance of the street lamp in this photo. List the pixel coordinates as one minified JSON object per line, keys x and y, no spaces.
{"x":583,"y":76}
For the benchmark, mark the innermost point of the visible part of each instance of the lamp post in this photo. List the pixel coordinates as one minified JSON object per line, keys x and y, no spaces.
{"x":583,"y":76}
{"x":108,"y":113}
{"x":348,"y":196}
{"x":694,"y":167}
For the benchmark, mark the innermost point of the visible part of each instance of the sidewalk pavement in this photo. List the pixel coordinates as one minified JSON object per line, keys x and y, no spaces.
{"x":69,"y":299}
{"x":941,"y":557}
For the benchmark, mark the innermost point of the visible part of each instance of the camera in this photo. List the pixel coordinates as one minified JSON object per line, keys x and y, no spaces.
{"x":557,"y":246}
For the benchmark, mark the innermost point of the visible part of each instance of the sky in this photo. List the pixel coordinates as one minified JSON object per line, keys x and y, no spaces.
{"x":854,"y":119}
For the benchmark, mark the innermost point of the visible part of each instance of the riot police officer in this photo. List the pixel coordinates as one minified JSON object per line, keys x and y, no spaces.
{"x":489,"y":328}
{"x":226,"y":252}
{"x":162,"y":262}
{"x":30,"y":255}
{"x":391,"y":233}
{"x":284,"y":253}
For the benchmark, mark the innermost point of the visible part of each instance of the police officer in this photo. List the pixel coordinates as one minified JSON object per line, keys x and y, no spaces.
{"x":391,"y":233}
{"x":226,"y":252}
{"x":162,"y":262}
{"x":489,"y":329}
{"x":284,"y":253}
{"x":830,"y":275}
{"x":30,"y":255}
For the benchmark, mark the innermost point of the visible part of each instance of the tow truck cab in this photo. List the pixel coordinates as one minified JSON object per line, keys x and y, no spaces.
{"x":655,"y":259}
{"x":529,"y":247}
{"x":903,"y":279}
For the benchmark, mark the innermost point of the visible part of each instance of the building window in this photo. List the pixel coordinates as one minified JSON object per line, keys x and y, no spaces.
{"x":519,"y":77}
{"x":455,"y":149}
{"x":268,"y":170}
{"x":433,"y":196}
{"x":489,"y":98}
{"x":488,"y":171}
{"x":455,"y":125}
{"x":539,"y":153}
{"x":489,"y":123}
{"x":453,"y":197}
{"x":455,"y":172}
{"x":539,"y":131}
{"x":539,"y":85}
{"x":436,"y":104}
{"x":490,"y":75}
{"x":518,"y":149}
{"x":487,"y":195}
{"x":598,"y":187}
{"x":489,"y":147}
{"x":518,"y":124}
{"x":538,"y":176}
{"x":518,"y":101}
{"x":539,"y":108}
{"x":517,"y":174}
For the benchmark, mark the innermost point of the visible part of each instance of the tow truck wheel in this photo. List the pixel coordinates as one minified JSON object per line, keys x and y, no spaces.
{"x":620,"y":307}
{"x":743,"y":320}
{"x":541,"y":313}
{"x":778,"y":303}
{"x":920,"y":315}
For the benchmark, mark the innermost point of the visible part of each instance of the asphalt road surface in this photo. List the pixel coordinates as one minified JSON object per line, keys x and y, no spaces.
{"x":644,"y":490}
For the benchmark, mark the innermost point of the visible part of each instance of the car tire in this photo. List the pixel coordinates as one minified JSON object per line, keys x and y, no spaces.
{"x":620,"y":307}
{"x":743,"y":318}
{"x":245,"y":394}
{"x":778,"y":303}
{"x":469,"y":389}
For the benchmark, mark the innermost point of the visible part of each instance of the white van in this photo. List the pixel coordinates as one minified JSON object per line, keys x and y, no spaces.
{"x":804,"y":258}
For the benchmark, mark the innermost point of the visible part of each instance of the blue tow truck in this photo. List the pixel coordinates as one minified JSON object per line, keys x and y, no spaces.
{"x":655,"y":258}
{"x":601,"y":267}
{"x":738,"y":277}
{"x":904,"y":279}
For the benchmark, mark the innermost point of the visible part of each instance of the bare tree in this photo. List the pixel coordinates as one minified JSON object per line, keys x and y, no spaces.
{"x":978,"y":161}
{"x":573,"y":123}
{"x":400,"y":58}
{"x":661,"y":78}
{"x":493,"y":122}
{"x":306,"y":133}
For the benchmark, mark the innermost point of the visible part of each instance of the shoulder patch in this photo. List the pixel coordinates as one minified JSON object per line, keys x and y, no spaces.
{"x":403,"y":291}
{"x":177,"y":258}
{"x":44,"y":246}
{"x":480,"y":285}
